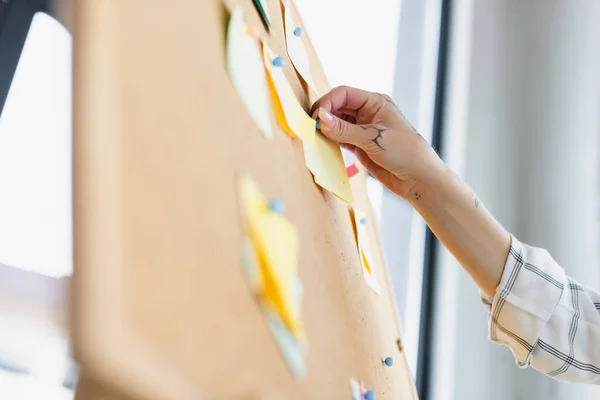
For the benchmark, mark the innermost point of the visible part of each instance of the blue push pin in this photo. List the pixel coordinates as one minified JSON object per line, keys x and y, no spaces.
{"x":277,"y":206}
{"x":278,"y":61}
{"x":319,"y":124}
{"x":363,"y":221}
{"x":370,"y":395}
{"x":389,"y":361}
{"x":298,"y":32}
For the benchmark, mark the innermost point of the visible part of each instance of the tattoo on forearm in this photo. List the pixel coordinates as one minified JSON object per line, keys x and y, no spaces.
{"x":379,"y":134}
{"x":417,"y":196}
{"x":475,"y":200}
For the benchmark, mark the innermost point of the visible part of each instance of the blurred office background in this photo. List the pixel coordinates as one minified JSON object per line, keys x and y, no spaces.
{"x":508,"y":91}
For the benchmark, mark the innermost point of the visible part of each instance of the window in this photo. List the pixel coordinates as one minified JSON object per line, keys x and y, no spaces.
{"x":35,"y":204}
{"x":35,"y":155}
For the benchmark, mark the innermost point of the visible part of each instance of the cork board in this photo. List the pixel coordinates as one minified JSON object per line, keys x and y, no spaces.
{"x":161,"y":309}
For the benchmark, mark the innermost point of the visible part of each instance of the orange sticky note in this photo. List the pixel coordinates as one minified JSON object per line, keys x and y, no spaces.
{"x":290,"y":114}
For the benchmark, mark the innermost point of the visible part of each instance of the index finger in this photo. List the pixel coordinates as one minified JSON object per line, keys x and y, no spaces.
{"x":346,"y":97}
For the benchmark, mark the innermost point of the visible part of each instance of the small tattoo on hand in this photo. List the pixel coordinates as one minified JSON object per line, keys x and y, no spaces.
{"x":379,"y":134}
{"x":417,"y":196}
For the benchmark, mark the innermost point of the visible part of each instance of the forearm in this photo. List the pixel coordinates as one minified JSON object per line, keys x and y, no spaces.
{"x":463,"y":225}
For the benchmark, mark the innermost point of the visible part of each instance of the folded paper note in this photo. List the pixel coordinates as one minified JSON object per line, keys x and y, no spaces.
{"x":352,"y":170}
{"x":246,"y":70}
{"x":365,"y":251}
{"x":275,"y":242}
{"x":290,"y":114}
{"x":296,"y":48}
{"x":324,"y":160}
{"x":355,"y":389}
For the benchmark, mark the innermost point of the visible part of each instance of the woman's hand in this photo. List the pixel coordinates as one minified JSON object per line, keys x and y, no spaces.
{"x":373,"y":128}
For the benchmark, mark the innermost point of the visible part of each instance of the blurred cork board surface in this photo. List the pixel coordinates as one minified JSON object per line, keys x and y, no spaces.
{"x":161,"y":308}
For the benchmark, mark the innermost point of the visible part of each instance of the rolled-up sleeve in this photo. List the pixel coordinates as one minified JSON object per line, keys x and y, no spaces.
{"x":547,"y":319}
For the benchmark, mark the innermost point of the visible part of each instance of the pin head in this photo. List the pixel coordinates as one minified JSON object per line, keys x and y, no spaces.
{"x":389,"y":361}
{"x":298,"y":32}
{"x":277,"y":206}
{"x":278,"y":61}
{"x":363,"y":220}
{"x":370,"y":395}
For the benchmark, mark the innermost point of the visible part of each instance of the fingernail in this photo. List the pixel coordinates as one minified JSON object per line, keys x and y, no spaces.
{"x":327,"y":119}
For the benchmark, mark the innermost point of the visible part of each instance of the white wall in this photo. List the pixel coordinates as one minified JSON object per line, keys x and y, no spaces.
{"x":530,"y":143}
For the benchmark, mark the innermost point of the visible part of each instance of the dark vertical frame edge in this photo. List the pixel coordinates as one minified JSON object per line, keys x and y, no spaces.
{"x":424,"y":355}
{"x":14,"y":27}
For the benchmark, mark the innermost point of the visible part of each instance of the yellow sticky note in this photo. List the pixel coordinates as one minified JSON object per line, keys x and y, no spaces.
{"x":296,"y":48}
{"x":246,"y":69}
{"x":291,"y":116}
{"x":276,"y":242}
{"x":324,"y":160}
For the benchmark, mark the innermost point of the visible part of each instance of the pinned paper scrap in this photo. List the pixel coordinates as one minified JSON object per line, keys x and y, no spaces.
{"x":275,"y":242}
{"x":325,"y":162}
{"x":364,"y":248}
{"x":246,"y":69}
{"x":296,"y":48}
{"x":294,"y":352}
{"x":290,"y":114}
{"x":351,"y":162}
{"x":352,"y":170}
{"x":368,"y":275}
{"x":261,"y":7}
{"x":355,"y":389}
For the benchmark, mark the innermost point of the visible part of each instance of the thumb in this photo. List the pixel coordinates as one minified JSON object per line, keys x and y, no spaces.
{"x":339,"y":130}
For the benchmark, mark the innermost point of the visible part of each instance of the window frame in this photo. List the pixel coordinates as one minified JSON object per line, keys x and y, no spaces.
{"x":15,"y":21}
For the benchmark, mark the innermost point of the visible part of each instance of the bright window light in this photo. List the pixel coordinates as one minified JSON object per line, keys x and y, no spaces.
{"x":355,"y":40}
{"x":35,"y":155}
{"x":356,"y":45}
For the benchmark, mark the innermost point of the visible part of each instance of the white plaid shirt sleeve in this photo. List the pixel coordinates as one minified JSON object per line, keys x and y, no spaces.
{"x":546,"y":318}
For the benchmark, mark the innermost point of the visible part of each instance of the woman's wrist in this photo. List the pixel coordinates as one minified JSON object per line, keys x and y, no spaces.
{"x":429,"y":180}
{"x":462,"y":224}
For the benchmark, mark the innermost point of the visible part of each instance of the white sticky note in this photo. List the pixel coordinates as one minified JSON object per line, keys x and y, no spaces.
{"x":365,"y":250}
{"x":247,"y":72}
{"x":297,"y":49}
